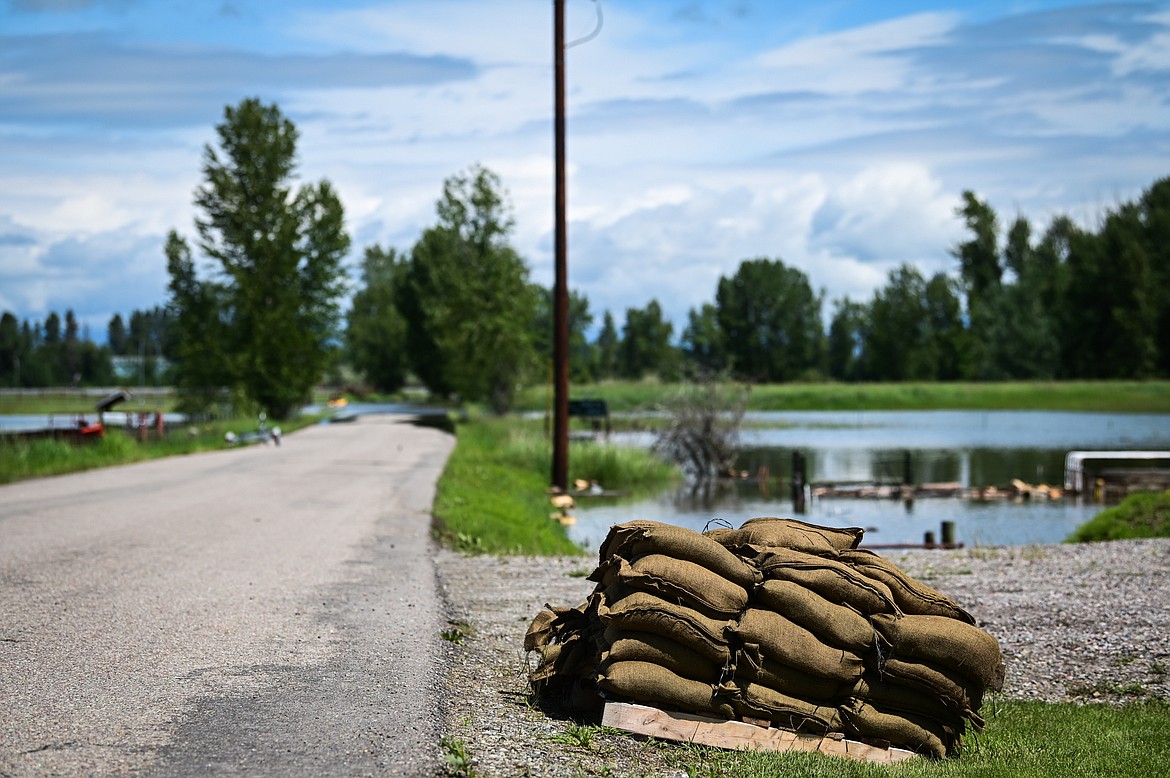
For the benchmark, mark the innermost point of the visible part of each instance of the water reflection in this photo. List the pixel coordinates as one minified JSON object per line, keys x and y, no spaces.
{"x":972,"y":449}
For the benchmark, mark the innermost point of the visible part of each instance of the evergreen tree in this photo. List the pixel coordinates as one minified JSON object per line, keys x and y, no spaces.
{"x":607,"y":345}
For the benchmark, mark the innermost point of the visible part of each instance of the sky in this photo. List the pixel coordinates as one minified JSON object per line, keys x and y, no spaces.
{"x":836,"y":135}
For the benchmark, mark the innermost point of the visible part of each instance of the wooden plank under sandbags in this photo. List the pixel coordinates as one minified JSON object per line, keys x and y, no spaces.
{"x":740,"y":735}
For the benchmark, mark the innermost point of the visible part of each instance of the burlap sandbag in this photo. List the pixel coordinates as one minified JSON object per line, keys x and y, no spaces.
{"x":650,"y":684}
{"x":553,"y":624}
{"x":899,"y":698}
{"x":963,"y":647}
{"x":913,"y":597}
{"x":759,"y":701}
{"x":643,"y":612}
{"x":837,"y":625}
{"x":638,"y":538}
{"x":909,"y":731}
{"x":624,"y":646}
{"x":964,"y":693}
{"x":773,"y":532}
{"x":676,"y":580}
{"x":787,"y":642}
{"x":752,"y":665}
{"x":836,"y":581}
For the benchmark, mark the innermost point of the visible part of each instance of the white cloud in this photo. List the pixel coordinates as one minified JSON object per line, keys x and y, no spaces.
{"x":859,"y":60}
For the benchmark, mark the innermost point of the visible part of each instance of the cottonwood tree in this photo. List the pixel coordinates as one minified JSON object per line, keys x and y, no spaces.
{"x":276,"y":259}
{"x":645,"y":347}
{"x":771,"y":321}
{"x":467,"y":300}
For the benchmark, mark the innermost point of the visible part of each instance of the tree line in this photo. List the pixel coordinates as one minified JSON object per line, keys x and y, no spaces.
{"x":253,"y":314}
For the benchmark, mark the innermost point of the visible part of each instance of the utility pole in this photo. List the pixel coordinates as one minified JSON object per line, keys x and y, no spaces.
{"x":560,"y":461}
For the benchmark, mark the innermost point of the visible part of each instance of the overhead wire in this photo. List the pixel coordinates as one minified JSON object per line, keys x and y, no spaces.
{"x":592,"y":35}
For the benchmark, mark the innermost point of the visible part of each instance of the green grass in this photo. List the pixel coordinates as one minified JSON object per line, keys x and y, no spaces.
{"x":1142,"y":515}
{"x":1022,"y":739}
{"x":22,"y":459}
{"x":492,"y":495}
{"x":1101,"y":396}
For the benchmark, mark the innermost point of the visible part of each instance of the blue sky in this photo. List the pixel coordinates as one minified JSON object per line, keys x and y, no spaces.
{"x":835,"y":135}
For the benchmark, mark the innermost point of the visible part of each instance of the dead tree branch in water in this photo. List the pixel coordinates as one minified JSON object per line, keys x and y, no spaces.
{"x":703,"y":433}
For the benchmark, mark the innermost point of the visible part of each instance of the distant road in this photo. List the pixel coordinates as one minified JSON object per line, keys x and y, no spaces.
{"x":261,"y":611}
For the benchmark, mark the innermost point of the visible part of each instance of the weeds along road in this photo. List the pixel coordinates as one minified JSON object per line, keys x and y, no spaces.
{"x":258,"y":611}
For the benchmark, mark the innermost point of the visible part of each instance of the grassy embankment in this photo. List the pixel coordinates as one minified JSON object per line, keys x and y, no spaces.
{"x":1102,"y":396}
{"x":1142,"y":515}
{"x":492,"y":495}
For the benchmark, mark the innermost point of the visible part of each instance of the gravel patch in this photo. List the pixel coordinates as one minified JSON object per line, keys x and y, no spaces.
{"x":1082,"y":623}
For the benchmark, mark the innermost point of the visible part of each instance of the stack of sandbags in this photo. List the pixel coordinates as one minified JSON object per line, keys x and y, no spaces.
{"x":667,"y":598}
{"x":780,"y":621}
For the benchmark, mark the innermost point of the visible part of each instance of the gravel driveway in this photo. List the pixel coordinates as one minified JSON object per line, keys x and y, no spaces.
{"x":1082,"y":623}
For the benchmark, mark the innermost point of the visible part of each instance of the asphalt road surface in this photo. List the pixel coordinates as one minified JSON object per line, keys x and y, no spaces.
{"x":259,"y":611}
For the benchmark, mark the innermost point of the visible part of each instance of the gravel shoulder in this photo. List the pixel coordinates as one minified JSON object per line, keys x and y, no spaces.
{"x":1081,"y":623}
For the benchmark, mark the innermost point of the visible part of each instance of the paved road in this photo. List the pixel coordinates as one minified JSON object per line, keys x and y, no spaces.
{"x":260,"y":611}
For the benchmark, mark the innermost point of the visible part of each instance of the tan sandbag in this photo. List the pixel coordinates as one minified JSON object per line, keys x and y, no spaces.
{"x":752,"y":665}
{"x":964,"y":693}
{"x":789,"y":643}
{"x":676,"y":580}
{"x":624,"y":646}
{"x":837,"y":625}
{"x":767,"y":531}
{"x":895,"y":697}
{"x":759,"y":701}
{"x":650,"y":684}
{"x":913,"y":597}
{"x":963,"y":647}
{"x":643,"y":612}
{"x":909,"y":731}
{"x":634,"y":539}
{"x":836,"y":581}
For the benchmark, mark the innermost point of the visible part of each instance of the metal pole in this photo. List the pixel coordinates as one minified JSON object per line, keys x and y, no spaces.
{"x":560,"y":463}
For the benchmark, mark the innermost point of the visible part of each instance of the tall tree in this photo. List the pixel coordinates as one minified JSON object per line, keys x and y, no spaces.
{"x":846,"y":343}
{"x":376,"y":330}
{"x":979,"y":261}
{"x":896,"y":345}
{"x":607,"y":345}
{"x":947,"y":339}
{"x":1111,"y":298}
{"x":467,"y":300}
{"x":771,"y":321}
{"x":10,"y":350}
{"x":278,"y":254}
{"x":702,"y":342}
{"x":645,"y":345}
{"x":1155,"y":215}
{"x":581,"y":357}
{"x":200,"y":330}
{"x":116,"y":334}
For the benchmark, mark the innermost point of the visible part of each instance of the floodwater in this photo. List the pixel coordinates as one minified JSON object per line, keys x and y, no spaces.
{"x":972,"y":448}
